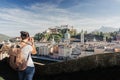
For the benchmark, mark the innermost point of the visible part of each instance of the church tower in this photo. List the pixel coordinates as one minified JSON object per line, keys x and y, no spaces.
{"x":82,"y":37}
{"x":67,"y":37}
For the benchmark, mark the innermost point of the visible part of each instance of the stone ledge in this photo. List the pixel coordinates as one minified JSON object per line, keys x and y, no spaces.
{"x":80,"y":67}
{"x":81,"y":64}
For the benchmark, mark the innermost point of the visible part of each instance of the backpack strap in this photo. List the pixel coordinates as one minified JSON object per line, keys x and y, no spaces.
{"x":28,"y":57}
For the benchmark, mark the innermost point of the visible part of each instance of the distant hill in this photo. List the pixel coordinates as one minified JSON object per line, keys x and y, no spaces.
{"x":4,"y":37}
{"x":107,"y":29}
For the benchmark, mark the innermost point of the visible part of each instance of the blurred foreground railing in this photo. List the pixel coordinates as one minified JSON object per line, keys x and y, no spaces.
{"x":3,"y":55}
{"x":4,"y":52}
{"x":97,"y":63}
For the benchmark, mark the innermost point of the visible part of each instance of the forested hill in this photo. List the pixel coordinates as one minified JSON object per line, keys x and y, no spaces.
{"x":3,"y":37}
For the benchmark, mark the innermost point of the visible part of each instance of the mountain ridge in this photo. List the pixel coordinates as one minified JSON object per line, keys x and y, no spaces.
{"x":4,"y":37}
{"x":107,"y":29}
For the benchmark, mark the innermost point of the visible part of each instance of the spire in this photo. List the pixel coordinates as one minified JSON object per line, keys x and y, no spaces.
{"x":82,"y":36}
{"x":53,"y":40}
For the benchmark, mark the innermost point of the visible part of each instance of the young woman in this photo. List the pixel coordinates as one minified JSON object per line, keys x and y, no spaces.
{"x":27,"y":50}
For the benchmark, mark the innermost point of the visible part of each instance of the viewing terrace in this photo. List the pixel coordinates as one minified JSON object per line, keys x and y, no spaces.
{"x":93,"y":67}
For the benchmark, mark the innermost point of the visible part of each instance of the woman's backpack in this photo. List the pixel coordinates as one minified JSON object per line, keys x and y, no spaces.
{"x":17,"y":60}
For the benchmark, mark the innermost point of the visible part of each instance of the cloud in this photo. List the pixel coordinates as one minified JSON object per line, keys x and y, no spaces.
{"x":117,"y":0}
{"x":15,"y":20}
{"x":39,"y":17}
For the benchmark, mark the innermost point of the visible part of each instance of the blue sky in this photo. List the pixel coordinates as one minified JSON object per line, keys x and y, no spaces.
{"x":38,"y":15}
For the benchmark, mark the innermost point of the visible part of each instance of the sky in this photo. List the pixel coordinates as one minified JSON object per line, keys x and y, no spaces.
{"x":37,"y":16}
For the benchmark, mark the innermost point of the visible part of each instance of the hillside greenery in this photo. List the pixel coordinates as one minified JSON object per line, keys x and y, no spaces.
{"x":99,"y":36}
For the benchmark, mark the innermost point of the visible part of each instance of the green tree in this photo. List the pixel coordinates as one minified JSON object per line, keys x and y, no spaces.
{"x":38,"y":36}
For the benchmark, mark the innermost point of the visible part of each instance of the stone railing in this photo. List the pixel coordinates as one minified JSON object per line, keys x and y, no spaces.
{"x":81,"y":64}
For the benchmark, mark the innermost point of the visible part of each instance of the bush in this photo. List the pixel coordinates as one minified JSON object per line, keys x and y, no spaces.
{"x":1,"y":78}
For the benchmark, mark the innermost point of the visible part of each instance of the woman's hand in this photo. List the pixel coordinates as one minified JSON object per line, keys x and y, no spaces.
{"x":33,"y":46}
{"x":31,"y":40}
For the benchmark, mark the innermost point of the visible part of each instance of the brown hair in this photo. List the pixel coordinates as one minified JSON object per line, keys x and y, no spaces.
{"x":24,"y":35}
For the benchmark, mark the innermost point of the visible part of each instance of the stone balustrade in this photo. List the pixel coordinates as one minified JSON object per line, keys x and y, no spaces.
{"x":89,"y":64}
